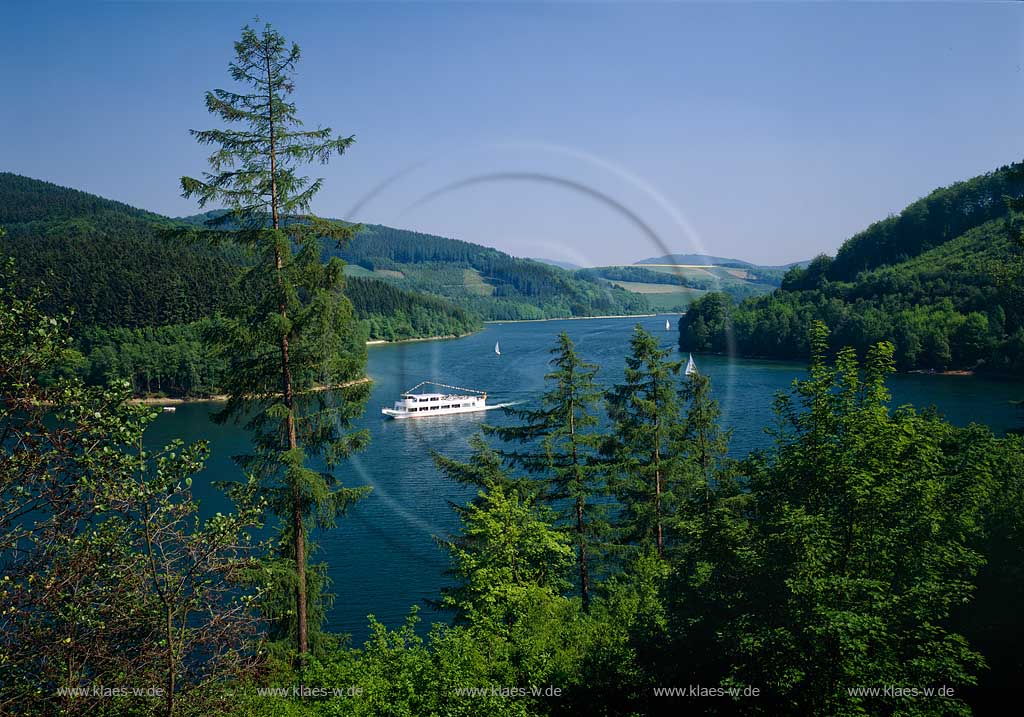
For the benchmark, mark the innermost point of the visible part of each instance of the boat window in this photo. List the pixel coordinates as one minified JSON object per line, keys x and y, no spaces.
{"x":412,"y":410}
{"x":435,"y":398}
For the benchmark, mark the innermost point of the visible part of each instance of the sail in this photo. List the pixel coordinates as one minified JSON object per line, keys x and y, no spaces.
{"x":668,"y":325}
{"x":691,"y":367}
{"x":497,"y":348}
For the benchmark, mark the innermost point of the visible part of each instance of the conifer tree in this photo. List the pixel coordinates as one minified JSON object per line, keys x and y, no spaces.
{"x":645,"y":412}
{"x":704,"y":444}
{"x":560,"y":443}
{"x":298,"y":334}
{"x":708,"y":568}
{"x":507,"y":557}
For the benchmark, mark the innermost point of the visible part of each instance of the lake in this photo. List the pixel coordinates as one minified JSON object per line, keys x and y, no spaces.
{"x":383,"y":557}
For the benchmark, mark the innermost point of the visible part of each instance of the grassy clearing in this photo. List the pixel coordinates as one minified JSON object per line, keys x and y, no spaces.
{"x":356,"y":270}
{"x":475,"y":283}
{"x":662,"y":297}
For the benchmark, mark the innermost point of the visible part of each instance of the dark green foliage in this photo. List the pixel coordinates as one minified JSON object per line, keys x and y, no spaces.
{"x":943,"y":215}
{"x":507,"y":556}
{"x":992,"y":620}
{"x":867,"y":548}
{"x":295,"y":355}
{"x":512,"y":288}
{"x":861,"y":547}
{"x":645,"y":415}
{"x":710,"y":555}
{"x":942,"y":309}
{"x":940,"y":282}
{"x":175,"y":360}
{"x":391,"y":313}
{"x":560,"y":443}
{"x":107,"y":262}
{"x":109,"y":575}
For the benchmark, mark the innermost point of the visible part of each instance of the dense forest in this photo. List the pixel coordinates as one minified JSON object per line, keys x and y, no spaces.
{"x":941,"y":281}
{"x":488,"y":283}
{"x":142,"y":301}
{"x":139,"y":295}
{"x":503,"y":287}
{"x":614,"y":559}
{"x":108,"y":262}
{"x":391,"y":313}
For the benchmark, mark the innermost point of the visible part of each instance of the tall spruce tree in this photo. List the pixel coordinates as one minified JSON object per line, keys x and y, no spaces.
{"x":708,"y":557}
{"x":704,"y":444}
{"x":560,"y":443}
{"x":299,"y":335}
{"x":645,"y":412}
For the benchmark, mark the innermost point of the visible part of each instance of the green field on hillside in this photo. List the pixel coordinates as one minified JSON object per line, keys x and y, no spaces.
{"x":663,"y":297}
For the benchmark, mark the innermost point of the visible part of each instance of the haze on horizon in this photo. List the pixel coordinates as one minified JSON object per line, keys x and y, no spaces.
{"x":577,"y":132}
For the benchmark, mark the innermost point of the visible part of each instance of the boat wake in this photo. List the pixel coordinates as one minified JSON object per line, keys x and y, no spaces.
{"x":502,"y":405}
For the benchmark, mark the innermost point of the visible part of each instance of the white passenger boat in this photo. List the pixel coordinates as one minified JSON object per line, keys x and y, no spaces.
{"x":423,"y":405}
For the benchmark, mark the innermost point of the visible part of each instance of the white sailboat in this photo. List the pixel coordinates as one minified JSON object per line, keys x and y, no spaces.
{"x":497,"y":348}
{"x":668,"y":325}
{"x":691,"y":367}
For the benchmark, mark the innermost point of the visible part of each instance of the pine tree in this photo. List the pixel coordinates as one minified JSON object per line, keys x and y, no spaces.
{"x":560,"y":444}
{"x":645,"y":412}
{"x":704,"y":443}
{"x":708,"y":558}
{"x":299,"y":334}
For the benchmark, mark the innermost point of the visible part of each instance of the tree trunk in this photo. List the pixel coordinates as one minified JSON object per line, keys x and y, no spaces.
{"x":286,"y":385}
{"x":581,"y":536}
{"x":170,"y":663}
{"x":657,"y":470}
{"x":584,"y":575}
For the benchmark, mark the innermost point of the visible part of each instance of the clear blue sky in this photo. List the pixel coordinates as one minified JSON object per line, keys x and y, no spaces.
{"x":769,"y":132}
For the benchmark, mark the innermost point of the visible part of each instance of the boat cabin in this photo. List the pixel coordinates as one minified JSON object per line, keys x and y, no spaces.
{"x":423,"y":402}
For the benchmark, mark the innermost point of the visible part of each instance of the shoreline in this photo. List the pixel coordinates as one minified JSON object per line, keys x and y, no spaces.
{"x":385,"y":342}
{"x":962,"y":372}
{"x":217,"y":397}
{"x":580,"y":318}
{"x":222,"y":398}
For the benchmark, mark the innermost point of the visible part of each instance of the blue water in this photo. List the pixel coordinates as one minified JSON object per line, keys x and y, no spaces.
{"x":383,"y":557}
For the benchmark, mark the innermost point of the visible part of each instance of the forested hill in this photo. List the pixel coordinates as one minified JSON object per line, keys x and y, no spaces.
{"x":486,"y":281}
{"x":105,"y":260}
{"x":943,"y":215}
{"x":141,"y":300}
{"x":942,"y":281}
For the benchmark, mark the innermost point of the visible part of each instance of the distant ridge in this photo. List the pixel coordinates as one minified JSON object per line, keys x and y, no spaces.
{"x":708,"y":259}
{"x":568,"y":265}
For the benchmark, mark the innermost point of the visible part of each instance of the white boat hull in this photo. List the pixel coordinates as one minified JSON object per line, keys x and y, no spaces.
{"x":392,"y":413}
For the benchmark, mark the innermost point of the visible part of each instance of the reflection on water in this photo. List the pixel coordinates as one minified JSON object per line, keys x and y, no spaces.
{"x":383,"y":557}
